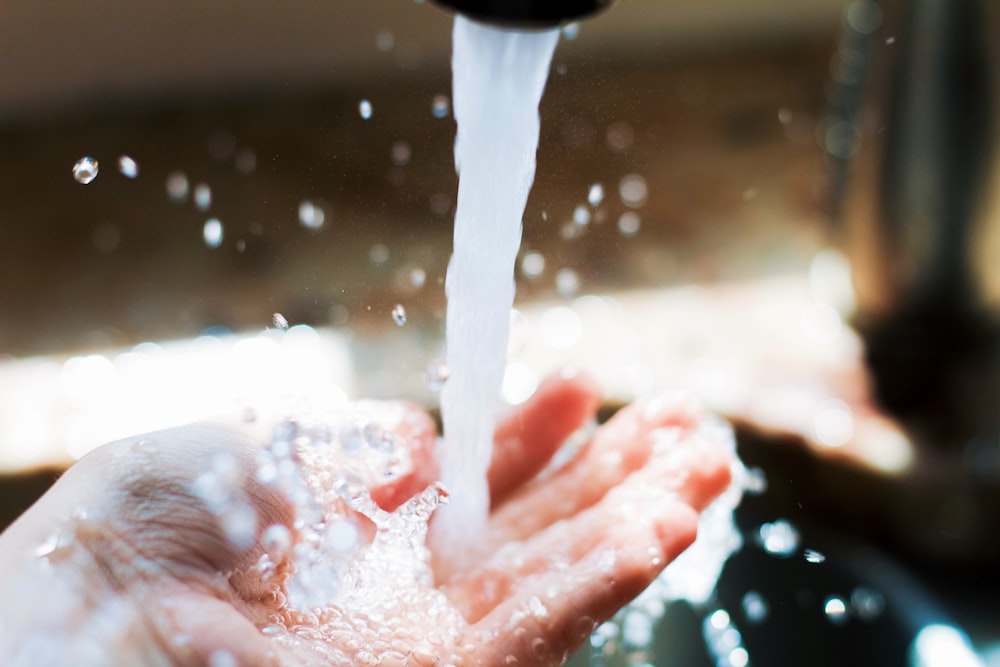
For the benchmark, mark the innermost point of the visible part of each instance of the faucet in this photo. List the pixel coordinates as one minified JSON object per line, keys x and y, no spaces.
{"x":525,"y":14}
{"x":916,"y":192}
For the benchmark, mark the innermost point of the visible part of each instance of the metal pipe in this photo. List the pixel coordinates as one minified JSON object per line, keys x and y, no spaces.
{"x":917,"y":204}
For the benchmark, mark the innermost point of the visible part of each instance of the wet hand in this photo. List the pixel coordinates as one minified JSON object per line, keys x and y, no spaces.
{"x":122,"y":562}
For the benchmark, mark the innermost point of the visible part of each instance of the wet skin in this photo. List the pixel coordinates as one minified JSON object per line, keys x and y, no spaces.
{"x":150,"y":577}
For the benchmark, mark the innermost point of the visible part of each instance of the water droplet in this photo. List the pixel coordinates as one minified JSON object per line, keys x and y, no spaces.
{"x":373,"y":434}
{"x":279,"y":321}
{"x":890,"y":40}
{"x":311,"y":216}
{"x":177,"y":187}
{"x":145,"y":446}
{"x":719,"y":619}
{"x":835,"y":609}
{"x":266,"y":473}
{"x":210,"y":489}
{"x":739,"y":657}
{"x":784,"y":115}
{"x":813,"y":556}
{"x":533,"y":264}
{"x":85,"y":170}
{"x":834,"y":423}
{"x":227,"y":469}
{"x":755,"y":607}
{"x":571,"y":30}
{"x":276,"y":540}
{"x":440,"y":203}
{"x":866,"y":603}
{"x":379,"y":253}
{"x":351,"y":438}
{"x":342,"y":536}
{"x":633,"y":190}
{"x":284,"y":432}
{"x":221,"y":658}
{"x":441,"y":106}
{"x":571,"y":231}
{"x":779,"y":538}
{"x":841,"y":139}
{"x":567,"y":282}
{"x":349,"y":487}
{"x":581,"y":216}
{"x":864,"y":16}
{"x":212,"y":232}
{"x":202,"y":197}
{"x":723,"y":640}
{"x":48,"y":546}
{"x":239,"y":522}
{"x":399,"y":314}
{"x":365,"y":109}
{"x":629,"y":223}
{"x":756,"y":481}
{"x":128,"y":167}
{"x":596,"y":194}
{"x":418,"y":277}
{"x":560,"y":327}
{"x":619,"y":137}
{"x":637,"y":630}
{"x":436,"y":374}
{"x":401,"y":153}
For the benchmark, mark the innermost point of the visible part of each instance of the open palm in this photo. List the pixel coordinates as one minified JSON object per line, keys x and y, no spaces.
{"x":145,"y":574}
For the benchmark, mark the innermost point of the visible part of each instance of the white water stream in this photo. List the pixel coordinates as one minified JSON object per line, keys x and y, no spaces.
{"x":498,"y":81}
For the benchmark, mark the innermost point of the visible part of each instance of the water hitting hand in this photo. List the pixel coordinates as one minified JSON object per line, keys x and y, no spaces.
{"x":123,"y":562}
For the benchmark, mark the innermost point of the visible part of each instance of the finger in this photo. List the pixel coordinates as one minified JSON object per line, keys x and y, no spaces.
{"x":665,"y":487}
{"x":526,"y":439}
{"x":620,"y":447}
{"x":416,"y":433}
{"x":199,"y":628}
{"x":552,"y":614}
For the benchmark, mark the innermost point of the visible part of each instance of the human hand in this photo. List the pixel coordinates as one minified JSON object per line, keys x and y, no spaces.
{"x":147,"y":574}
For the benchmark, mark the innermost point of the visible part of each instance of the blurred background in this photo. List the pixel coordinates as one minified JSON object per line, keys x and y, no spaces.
{"x":273,"y":206}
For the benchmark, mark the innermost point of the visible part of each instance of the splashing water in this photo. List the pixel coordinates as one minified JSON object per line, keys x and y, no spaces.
{"x":85,"y":170}
{"x":399,"y":314}
{"x":498,"y":81}
{"x":365,"y":109}
{"x":342,"y":583}
{"x":128,"y":167}
{"x":279,"y":321}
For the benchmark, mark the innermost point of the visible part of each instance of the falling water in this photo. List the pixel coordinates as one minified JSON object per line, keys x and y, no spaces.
{"x":498,"y":81}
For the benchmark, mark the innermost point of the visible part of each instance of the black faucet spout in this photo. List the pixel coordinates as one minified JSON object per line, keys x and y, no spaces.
{"x":525,"y":14}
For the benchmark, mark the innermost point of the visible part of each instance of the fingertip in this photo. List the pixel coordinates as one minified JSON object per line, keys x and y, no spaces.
{"x":418,"y":433}
{"x":709,"y":473}
{"x":579,"y":380}
{"x":571,"y":389}
{"x":674,"y":531}
{"x":528,"y":437}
